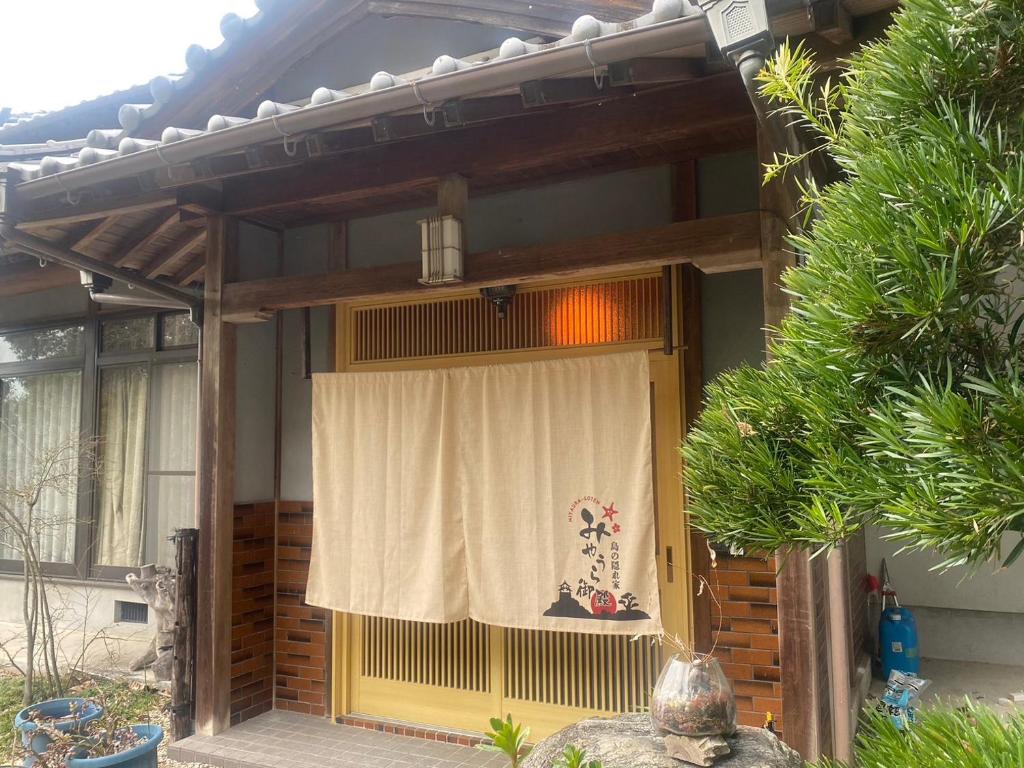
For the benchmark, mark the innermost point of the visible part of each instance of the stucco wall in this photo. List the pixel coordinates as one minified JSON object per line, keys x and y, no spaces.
{"x":256,"y":368}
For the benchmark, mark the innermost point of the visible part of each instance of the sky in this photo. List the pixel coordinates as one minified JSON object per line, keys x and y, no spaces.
{"x":62,"y":52}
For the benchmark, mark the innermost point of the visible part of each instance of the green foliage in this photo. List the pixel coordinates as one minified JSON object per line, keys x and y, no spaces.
{"x":895,"y":392}
{"x":971,"y":737}
{"x":574,"y":757}
{"x":508,"y":738}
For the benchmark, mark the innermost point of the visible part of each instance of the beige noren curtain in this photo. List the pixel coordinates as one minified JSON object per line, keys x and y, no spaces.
{"x":518,"y":495}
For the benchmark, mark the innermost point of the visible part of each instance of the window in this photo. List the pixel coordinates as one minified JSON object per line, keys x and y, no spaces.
{"x":39,"y":418}
{"x":137,"y":395}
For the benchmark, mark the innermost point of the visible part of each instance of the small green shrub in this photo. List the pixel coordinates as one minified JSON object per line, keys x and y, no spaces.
{"x":508,"y":739}
{"x":574,"y":757}
{"x":969,"y":737}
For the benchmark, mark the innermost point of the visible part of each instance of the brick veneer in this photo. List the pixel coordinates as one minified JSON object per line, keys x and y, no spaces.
{"x":748,"y":643}
{"x":300,"y":642}
{"x":252,"y":611}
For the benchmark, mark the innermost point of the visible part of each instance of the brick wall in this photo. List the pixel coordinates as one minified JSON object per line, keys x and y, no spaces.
{"x":301,"y":642}
{"x":748,"y":641}
{"x":252,"y":611}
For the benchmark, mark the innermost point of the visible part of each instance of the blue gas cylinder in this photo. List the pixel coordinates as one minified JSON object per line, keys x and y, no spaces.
{"x":897,"y":632}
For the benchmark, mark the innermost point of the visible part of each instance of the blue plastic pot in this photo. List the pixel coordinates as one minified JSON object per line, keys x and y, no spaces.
{"x":68,"y":715}
{"x":140,"y":756}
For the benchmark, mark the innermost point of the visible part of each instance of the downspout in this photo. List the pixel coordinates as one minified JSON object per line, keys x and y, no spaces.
{"x":745,"y":37}
{"x":47,"y":251}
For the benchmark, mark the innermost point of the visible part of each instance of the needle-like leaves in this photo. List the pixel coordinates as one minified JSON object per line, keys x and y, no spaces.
{"x":895,"y":393}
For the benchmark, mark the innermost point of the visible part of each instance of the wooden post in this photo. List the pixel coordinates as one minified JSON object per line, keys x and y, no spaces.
{"x":183,"y":670}
{"x":798,"y":647}
{"x":216,"y":485}
{"x":686,"y":208}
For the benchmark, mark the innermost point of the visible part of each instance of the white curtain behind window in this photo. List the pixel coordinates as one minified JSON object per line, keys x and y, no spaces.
{"x":124,"y":397}
{"x":37,"y":414}
{"x":170,"y":494}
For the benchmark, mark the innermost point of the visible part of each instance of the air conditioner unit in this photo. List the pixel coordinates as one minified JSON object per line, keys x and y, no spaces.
{"x":442,"y":250}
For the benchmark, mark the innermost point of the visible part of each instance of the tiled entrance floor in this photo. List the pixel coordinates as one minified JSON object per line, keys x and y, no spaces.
{"x":277,"y":739}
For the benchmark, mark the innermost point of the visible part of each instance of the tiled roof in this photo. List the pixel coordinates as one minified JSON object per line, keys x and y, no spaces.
{"x":112,"y":144}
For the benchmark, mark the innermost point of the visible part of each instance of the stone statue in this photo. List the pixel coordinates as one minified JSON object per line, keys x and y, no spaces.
{"x":156,"y":586}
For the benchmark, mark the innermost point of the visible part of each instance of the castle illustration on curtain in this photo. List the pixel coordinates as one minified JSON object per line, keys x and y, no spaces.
{"x":597,"y":593}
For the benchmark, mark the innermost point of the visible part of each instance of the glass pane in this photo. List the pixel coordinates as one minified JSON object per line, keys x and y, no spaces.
{"x":43,"y":344}
{"x":39,"y":426}
{"x":173,"y":431}
{"x":131,"y":335}
{"x":124,"y":398}
{"x":178,"y":331}
{"x":170,"y":504}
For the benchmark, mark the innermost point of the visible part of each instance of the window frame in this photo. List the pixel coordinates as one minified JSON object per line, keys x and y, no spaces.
{"x":91,"y":364}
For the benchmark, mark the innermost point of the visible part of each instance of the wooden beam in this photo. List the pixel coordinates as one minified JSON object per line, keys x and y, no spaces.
{"x":192,"y":271}
{"x":28,"y":276}
{"x":83,"y":243}
{"x":215,"y":485}
{"x":39,"y":214}
{"x":182,"y":247}
{"x":732,"y":241}
{"x":337,"y":246}
{"x":143,"y":238}
{"x":706,"y":111}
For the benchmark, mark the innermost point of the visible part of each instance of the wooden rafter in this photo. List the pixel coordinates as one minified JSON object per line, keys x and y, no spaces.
{"x":47,"y":212}
{"x":98,"y":230}
{"x":143,"y":238}
{"x":192,"y":271}
{"x":714,"y":244}
{"x":181,"y":247}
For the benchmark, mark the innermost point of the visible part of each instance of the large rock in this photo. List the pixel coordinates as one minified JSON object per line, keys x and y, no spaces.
{"x":630,"y":741}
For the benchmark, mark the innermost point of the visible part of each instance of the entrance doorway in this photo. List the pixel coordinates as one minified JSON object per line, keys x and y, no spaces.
{"x":458,"y":675}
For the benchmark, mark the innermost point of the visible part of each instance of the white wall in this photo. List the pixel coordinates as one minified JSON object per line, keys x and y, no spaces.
{"x":255,"y":378}
{"x":732,"y":304}
{"x":961,"y":614}
{"x":86,"y":624}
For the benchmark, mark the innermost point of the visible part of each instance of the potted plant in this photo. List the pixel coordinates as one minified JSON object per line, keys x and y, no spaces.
{"x":692,"y":696}
{"x":38,"y":722}
{"x":102,"y":742}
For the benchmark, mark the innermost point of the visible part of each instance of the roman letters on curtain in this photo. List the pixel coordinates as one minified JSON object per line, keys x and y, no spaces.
{"x":519,"y":495}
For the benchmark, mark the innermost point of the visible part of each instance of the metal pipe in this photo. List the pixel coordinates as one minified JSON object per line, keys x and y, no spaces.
{"x":433,"y":90}
{"x":839,"y":659}
{"x":50,"y":252}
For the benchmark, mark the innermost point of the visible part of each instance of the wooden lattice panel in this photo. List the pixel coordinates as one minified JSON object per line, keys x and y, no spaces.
{"x":608,"y":673}
{"x":453,"y":655}
{"x":614,"y":311}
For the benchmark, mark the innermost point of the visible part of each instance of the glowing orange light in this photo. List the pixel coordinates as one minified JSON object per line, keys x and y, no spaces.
{"x":586,"y":315}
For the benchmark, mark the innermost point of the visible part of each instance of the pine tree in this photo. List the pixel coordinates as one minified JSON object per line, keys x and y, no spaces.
{"x":895,"y":390}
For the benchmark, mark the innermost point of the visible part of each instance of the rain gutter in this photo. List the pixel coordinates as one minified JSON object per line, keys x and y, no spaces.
{"x":427,"y":92}
{"x":46,"y":250}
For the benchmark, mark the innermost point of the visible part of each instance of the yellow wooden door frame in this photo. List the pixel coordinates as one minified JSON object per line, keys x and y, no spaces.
{"x":469,"y":710}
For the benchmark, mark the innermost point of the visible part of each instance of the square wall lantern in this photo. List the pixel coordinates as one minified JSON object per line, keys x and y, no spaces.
{"x":442,"y":250}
